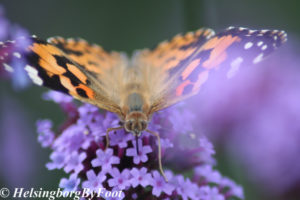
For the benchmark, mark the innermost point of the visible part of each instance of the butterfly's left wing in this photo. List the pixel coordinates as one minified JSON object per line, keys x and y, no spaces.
{"x":70,"y":66}
{"x":185,"y":66}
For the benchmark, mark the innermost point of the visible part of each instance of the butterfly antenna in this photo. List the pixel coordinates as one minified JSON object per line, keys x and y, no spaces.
{"x":137,"y":145}
{"x":159,"y":154}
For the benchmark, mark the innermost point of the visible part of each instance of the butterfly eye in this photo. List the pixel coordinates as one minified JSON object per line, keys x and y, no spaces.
{"x":144,"y":125}
{"x":128,"y":125}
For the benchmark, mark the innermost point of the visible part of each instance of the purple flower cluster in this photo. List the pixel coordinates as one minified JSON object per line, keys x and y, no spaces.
{"x":79,"y":149}
{"x":10,"y":32}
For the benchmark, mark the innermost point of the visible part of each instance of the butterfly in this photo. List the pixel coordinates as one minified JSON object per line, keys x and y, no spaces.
{"x":151,"y":80}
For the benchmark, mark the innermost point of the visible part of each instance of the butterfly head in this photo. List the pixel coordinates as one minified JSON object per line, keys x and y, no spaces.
{"x":136,"y":122}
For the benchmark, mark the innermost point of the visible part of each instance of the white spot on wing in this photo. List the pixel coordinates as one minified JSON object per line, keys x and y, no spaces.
{"x":260,"y":43}
{"x":49,"y":40}
{"x":264,"y":47}
{"x":284,"y":34}
{"x":248,"y":45}
{"x":8,"y":67}
{"x":212,"y":33}
{"x":234,"y":67}
{"x":17,"y":54}
{"x":284,"y":37}
{"x":33,"y":74}
{"x":258,"y":58}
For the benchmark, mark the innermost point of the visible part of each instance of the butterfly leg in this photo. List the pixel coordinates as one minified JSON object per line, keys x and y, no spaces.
{"x":159,"y":153}
{"x":107,"y":134}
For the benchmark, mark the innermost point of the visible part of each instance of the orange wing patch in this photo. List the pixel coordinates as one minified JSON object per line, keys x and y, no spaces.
{"x":190,"y":68}
{"x":47,"y":61}
{"x":218,"y":53}
{"x":192,"y":87}
{"x":92,"y":57}
{"x":180,"y":88}
{"x":168,"y":55}
{"x":55,"y":63}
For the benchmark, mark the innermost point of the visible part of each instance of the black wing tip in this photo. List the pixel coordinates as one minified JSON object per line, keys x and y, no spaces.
{"x":278,"y":35}
{"x":283,"y":36}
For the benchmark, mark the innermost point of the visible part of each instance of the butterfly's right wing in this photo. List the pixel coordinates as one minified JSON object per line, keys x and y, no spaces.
{"x":177,"y":69}
{"x":70,"y":66}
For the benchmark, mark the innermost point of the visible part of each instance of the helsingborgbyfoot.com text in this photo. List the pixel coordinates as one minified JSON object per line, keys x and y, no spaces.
{"x":41,"y":193}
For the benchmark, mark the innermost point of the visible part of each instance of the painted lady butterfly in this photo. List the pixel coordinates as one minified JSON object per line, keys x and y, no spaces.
{"x":151,"y":80}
